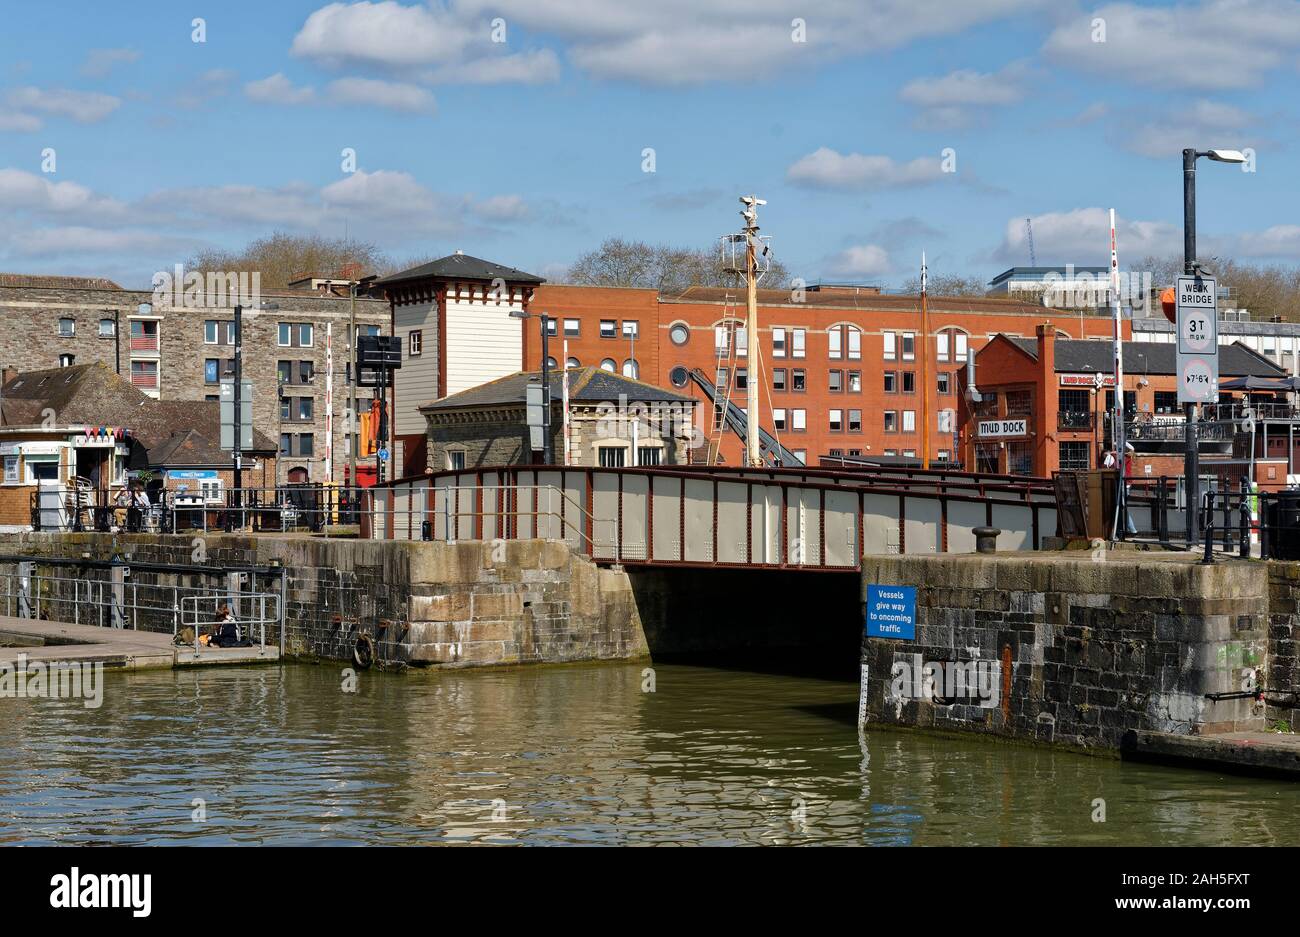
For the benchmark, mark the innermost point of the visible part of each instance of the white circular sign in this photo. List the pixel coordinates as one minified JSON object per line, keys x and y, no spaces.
{"x":1197,"y":328}
{"x":1199,"y":382}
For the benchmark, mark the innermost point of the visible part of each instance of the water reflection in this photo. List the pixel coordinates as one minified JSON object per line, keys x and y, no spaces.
{"x":565,"y":755}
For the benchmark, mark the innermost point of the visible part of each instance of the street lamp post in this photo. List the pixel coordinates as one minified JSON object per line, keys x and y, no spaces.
{"x":237,"y":454}
{"x":1191,"y":457}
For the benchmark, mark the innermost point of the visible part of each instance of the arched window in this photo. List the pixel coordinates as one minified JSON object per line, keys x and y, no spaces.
{"x":610,"y":365}
{"x":573,"y":363}
{"x":551,"y":364}
{"x":951,"y":344}
{"x":631,"y":368}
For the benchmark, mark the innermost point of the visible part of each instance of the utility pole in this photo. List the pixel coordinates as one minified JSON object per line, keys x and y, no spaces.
{"x":1118,"y":433}
{"x":236,"y":451}
{"x":925,"y":371}
{"x":548,"y":453}
{"x":1191,"y":457}
{"x":352,"y":390}
{"x":754,"y":457}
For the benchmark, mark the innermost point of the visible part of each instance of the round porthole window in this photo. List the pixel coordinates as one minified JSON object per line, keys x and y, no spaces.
{"x":679,"y":334}
{"x":678,"y":376}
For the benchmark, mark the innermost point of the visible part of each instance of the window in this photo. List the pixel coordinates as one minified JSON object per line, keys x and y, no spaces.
{"x":415,"y":343}
{"x":611,"y":456}
{"x":945,"y":382}
{"x":835,"y":339}
{"x":305,"y":334}
{"x":456,"y":459}
{"x":891,"y":452}
{"x":944,"y":455}
{"x":778,"y":343}
{"x":778,"y":378}
{"x":941,"y":345}
{"x":797,"y":381}
{"x":836,"y":421}
{"x":909,"y":421}
{"x":837,"y":452}
{"x":721,"y":339}
{"x":835,"y":384}
{"x":304,"y":408}
{"x":950,"y":345}
{"x":11,"y":468}
{"x":306,"y":443}
{"x":909,"y":382}
{"x":609,"y":364}
{"x":286,"y":444}
{"x":1020,"y":458}
{"x":65,"y":361}
{"x":107,"y":327}
{"x":891,"y":421}
{"x":742,"y":342}
{"x":67,"y":327}
{"x":631,"y":328}
{"x":144,"y":373}
{"x":212,"y":398}
{"x":855,"y":382}
{"x":212,"y":370}
{"x":798,"y":420}
{"x":909,"y":346}
{"x":742,"y":378}
{"x":961,"y":339}
{"x":286,"y":408}
{"x":551,"y":363}
{"x":572,"y":327}
{"x":855,"y":421}
{"x":572,"y":363}
{"x":285,"y":336}
{"x":855,"y":342}
{"x":802,"y":456}
{"x":631,"y":368}
{"x":891,"y":382}
{"x":889,"y":340}
{"x":217,"y":332}
{"x":648,"y":455}
{"x":778,"y":418}
{"x":552,"y":326}
{"x":1167,"y":401}
{"x":679,"y":334}
{"x":299,"y":334}
{"x":608,"y":328}
{"x":722,"y":377}
{"x":1074,"y":456}
{"x":306,"y":371}
{"x":796,"y":343}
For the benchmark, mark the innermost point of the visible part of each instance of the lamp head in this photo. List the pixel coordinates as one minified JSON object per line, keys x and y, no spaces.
{"x":1226,"y":156}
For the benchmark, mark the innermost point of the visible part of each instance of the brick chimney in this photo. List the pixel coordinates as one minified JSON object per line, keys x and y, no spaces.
{"x":7,"y":375}
{"x":1046,"y":452}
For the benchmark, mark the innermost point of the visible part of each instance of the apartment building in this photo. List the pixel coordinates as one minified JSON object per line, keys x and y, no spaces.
{"x":840,"y":366}
{"x":295,"y":355}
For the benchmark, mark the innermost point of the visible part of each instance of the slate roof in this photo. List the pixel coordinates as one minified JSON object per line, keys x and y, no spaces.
{"x":1081,"y":355}
{"x":460,"y":267}
{"x":173,"y":432}
{"x":586,"y":385}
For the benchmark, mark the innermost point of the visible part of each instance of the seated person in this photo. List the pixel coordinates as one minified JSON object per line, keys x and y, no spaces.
{"x":228,"y":633}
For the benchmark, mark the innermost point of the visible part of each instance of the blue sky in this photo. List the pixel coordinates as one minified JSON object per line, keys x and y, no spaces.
{"x":529,"y":150}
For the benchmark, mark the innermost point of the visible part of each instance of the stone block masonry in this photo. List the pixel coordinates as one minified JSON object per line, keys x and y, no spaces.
{"x":470,"y":603}
{"x":1062,"y":649}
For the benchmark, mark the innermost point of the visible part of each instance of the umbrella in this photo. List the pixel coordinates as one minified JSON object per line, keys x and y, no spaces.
{"x":1251,"y":382}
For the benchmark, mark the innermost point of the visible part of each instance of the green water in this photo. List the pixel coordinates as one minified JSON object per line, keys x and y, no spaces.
{"x":566,"y":755}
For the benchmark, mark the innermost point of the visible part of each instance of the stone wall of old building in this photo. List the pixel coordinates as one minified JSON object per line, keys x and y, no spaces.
{"x":30,"y":339}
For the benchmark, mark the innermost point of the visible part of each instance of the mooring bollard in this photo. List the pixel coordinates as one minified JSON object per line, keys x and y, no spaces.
{"x":986,"y":539}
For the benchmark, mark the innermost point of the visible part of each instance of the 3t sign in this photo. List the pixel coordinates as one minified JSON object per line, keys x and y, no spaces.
{"x":1198,"y":338}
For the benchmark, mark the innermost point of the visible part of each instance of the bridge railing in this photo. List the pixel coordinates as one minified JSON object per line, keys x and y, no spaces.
{"x":776,"y":518}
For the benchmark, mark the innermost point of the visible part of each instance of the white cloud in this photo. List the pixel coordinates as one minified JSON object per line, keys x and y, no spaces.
{"x":433,"y":42}
{"x":49,"y":242}
{"x":861,"y":260}
{"x":100,"y":62}
{"x":394,"y":95}
{"x":1162,"y":134}
{"x":1211,"y":45}
{"x":85,"y":107}
{"x":825,"y":168}
{"x":666,"y":42}
{"x":1279,"y":241}
{"x":277,"y":89}
{"x":954,"y":100}
{"x":1082,"y":237}
{"x":502,"y":208}
{"x":22,"y":191}
{"x":18,"y":121}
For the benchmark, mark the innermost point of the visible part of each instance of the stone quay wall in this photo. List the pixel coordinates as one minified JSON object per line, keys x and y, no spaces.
{"x":1067,"y":650}
{"x":471,"y":603}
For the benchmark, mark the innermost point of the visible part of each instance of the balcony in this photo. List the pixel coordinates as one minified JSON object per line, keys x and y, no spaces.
{"x":1231,"y":412}
{"x":1077,"y":420}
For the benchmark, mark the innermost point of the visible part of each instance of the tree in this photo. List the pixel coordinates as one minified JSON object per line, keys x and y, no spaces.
{"x":950,"y":284}
{"x":662,"y":267}
{"x":1265,"y":290}
{"x":281,"y":258}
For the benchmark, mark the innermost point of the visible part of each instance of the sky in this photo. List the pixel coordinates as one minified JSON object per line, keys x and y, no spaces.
{"x":528,"y":131}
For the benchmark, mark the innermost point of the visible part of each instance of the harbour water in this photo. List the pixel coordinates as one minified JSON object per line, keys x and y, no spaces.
{"x":577,"y":754}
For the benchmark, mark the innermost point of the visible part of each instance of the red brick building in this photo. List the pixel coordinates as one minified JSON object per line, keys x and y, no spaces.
{"x":840,"y":366}
{"x":1045,"y":404}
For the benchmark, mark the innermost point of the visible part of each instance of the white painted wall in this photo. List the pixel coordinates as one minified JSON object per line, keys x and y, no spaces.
{"x":483,"y":342}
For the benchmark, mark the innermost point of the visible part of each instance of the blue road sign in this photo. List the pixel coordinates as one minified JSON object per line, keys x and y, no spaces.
{"x":891,"y":612}
{"x":383,"y":455}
